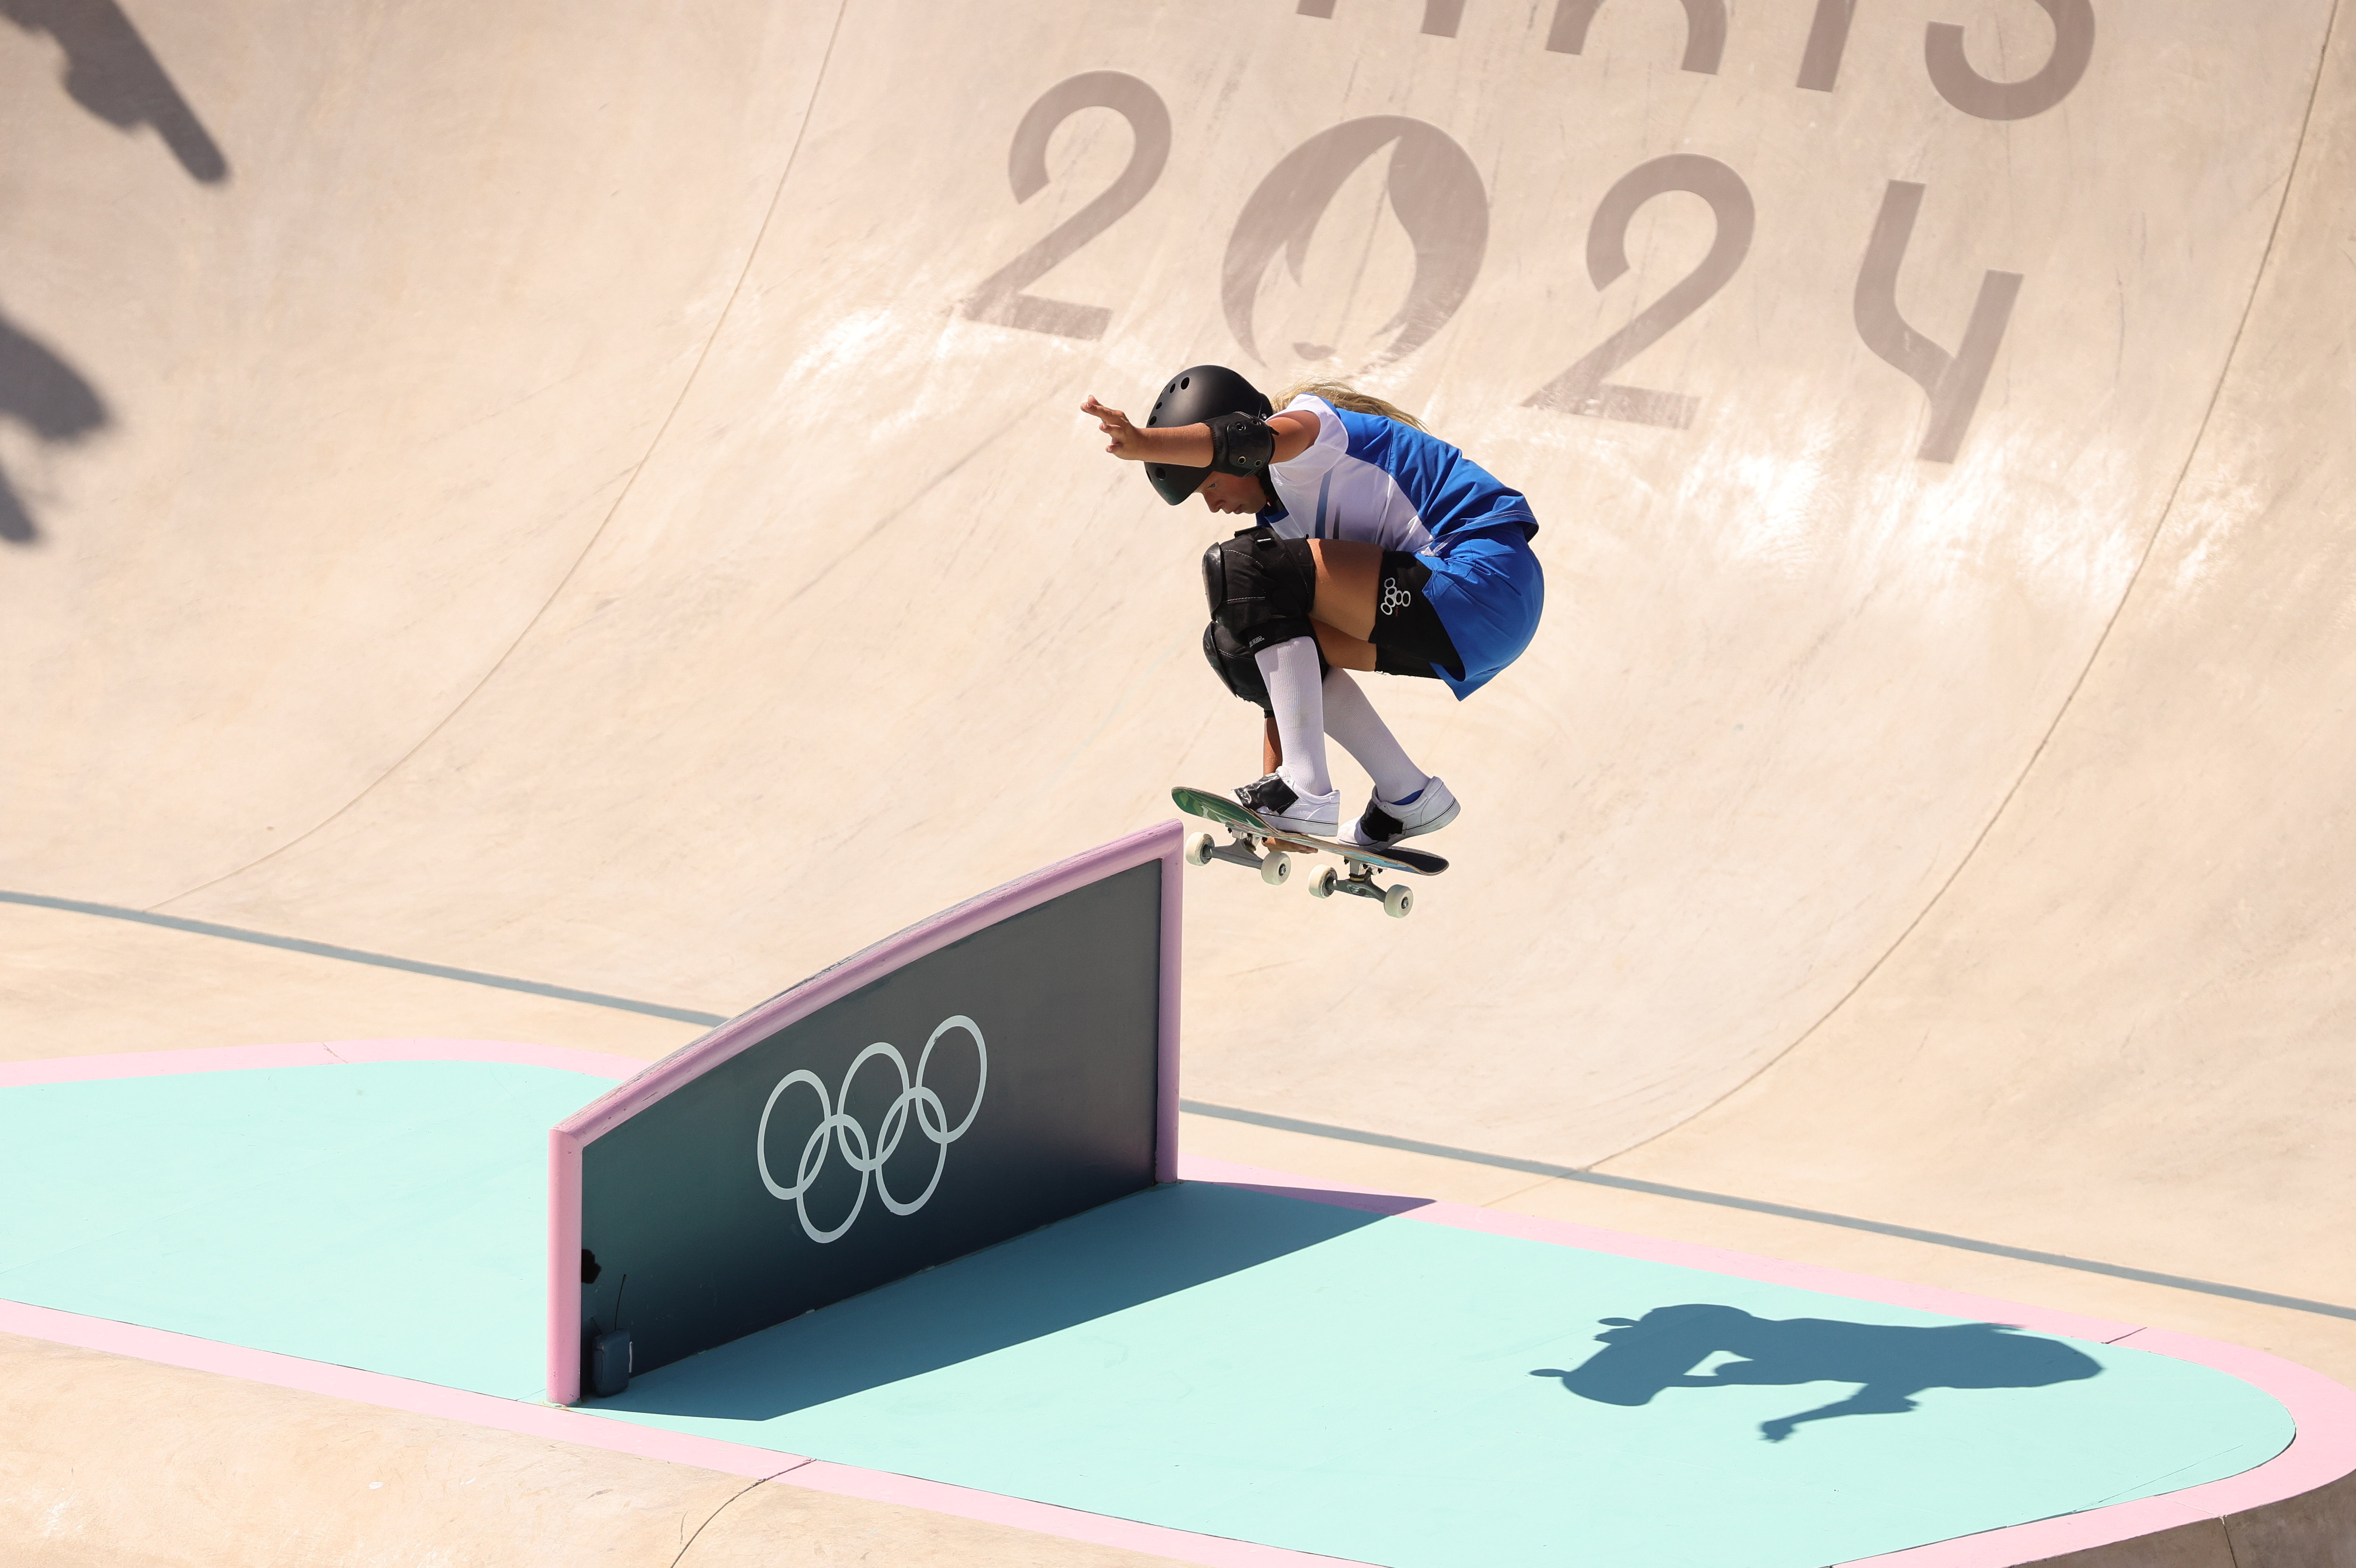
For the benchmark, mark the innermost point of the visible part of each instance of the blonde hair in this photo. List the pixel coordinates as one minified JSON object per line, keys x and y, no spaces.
{"x":1343,"y":395}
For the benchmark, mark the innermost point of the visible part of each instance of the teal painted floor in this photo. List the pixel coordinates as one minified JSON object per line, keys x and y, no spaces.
{"x":1217,"y":1359}
{"x":392,"y":1216}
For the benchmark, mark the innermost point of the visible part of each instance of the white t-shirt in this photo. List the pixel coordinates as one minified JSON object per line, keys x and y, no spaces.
{"x":1373,"y":479}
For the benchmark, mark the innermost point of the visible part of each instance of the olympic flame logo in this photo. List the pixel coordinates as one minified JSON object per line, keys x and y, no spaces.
{"x":837,"y":1129}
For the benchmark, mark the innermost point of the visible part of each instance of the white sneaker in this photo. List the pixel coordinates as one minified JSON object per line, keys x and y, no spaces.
{"x":1428,"y":810}
{"x":1286,"y":810}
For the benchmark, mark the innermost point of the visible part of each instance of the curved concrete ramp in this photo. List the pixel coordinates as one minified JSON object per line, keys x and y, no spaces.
{"x":594,"y":494}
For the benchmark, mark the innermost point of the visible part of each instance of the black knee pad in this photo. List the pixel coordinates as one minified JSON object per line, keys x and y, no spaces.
{"x":1237,"y":670}
{"x":1240,"y":673}
{"x":1260,"y":589}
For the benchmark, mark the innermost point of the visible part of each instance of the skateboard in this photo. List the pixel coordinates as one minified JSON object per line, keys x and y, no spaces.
{"x":1252,"y":842}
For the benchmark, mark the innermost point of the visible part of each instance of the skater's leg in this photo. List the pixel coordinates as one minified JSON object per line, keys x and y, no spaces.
{"x":1348,"y":570}
{"x":1352,"y":720}
{"x":1371,"y":611}
{"x":1341,"y":650}
{"x":1407,"y":801}
{"x":1264,"y":593}
{"x":1297,"y":704}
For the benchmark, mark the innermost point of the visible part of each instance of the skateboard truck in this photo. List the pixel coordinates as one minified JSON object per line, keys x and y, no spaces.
{"x":1274,"y":868}
{"x":1395,"y":900}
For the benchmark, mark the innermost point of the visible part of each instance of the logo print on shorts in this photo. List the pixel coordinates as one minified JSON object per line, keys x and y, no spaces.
{"x":837,"y":1129}
{"x":1394,"y":598}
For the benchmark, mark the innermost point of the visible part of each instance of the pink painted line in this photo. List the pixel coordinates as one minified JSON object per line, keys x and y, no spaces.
{"x":1102,"y":1530}
{"x":163,"y":1063}
{"x":311,"y":1053}
{"x":564,"y":1059}
{"x":2323,"y":1410}
{"x":749,"y":1028}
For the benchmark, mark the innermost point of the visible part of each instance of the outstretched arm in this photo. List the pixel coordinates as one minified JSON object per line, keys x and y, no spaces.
{"x":1189,"y":445}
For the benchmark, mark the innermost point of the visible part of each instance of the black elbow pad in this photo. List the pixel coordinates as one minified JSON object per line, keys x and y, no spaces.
{"x":1241,"y":444}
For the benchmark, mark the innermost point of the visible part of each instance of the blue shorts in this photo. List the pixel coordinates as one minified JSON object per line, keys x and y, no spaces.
{"x":1488,"y":590}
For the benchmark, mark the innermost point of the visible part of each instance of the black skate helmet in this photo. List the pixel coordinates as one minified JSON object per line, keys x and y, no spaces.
{"x":1195,"y":394}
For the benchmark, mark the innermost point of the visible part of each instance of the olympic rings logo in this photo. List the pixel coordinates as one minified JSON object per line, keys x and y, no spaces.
{"x":1394,"y":598}
{"x":837,"y":1129}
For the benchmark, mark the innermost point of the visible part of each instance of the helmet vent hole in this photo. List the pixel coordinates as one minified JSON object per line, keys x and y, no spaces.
{"x":1184,"y":382}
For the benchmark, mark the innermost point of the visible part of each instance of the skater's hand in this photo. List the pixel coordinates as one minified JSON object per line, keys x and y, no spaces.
{"x":1128,"y":442}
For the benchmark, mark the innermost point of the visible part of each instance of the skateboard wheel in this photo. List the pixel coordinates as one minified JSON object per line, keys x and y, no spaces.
{"x":1321,"y":883}
{"x":1198,"y":849}
{"x":1276,"y":868}
{"x":1398,"y":901}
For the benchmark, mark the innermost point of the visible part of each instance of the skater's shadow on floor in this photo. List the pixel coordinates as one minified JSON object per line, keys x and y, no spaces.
{"x":1648,"y":1356}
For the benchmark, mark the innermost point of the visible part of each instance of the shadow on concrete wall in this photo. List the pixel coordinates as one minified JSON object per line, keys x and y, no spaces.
{"x":1646,"y":1356}
{"x":112,"y":72}
{"x":47,"y":396}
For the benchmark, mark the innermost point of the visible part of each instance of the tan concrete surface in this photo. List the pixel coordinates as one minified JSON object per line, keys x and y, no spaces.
{"x":525,"y":488}
{"x":2309,"y":1532}
{"x":80,"y":985}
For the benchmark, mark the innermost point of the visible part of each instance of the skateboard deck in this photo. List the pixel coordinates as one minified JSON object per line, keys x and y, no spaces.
{"x":1230,"y":813}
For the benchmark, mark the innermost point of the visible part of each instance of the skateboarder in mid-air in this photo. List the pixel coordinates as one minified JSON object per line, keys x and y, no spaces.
{"x":1377,"y":545}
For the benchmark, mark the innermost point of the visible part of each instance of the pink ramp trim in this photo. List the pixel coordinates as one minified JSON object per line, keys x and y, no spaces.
{"x":2323,"y":1410}
{"x":746,"y":1029}
{"x":311,"y":1053}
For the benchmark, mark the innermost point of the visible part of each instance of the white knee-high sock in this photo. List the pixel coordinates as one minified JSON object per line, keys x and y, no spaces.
{"x":1299,"y":704}
{"x":1352,"y":720}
